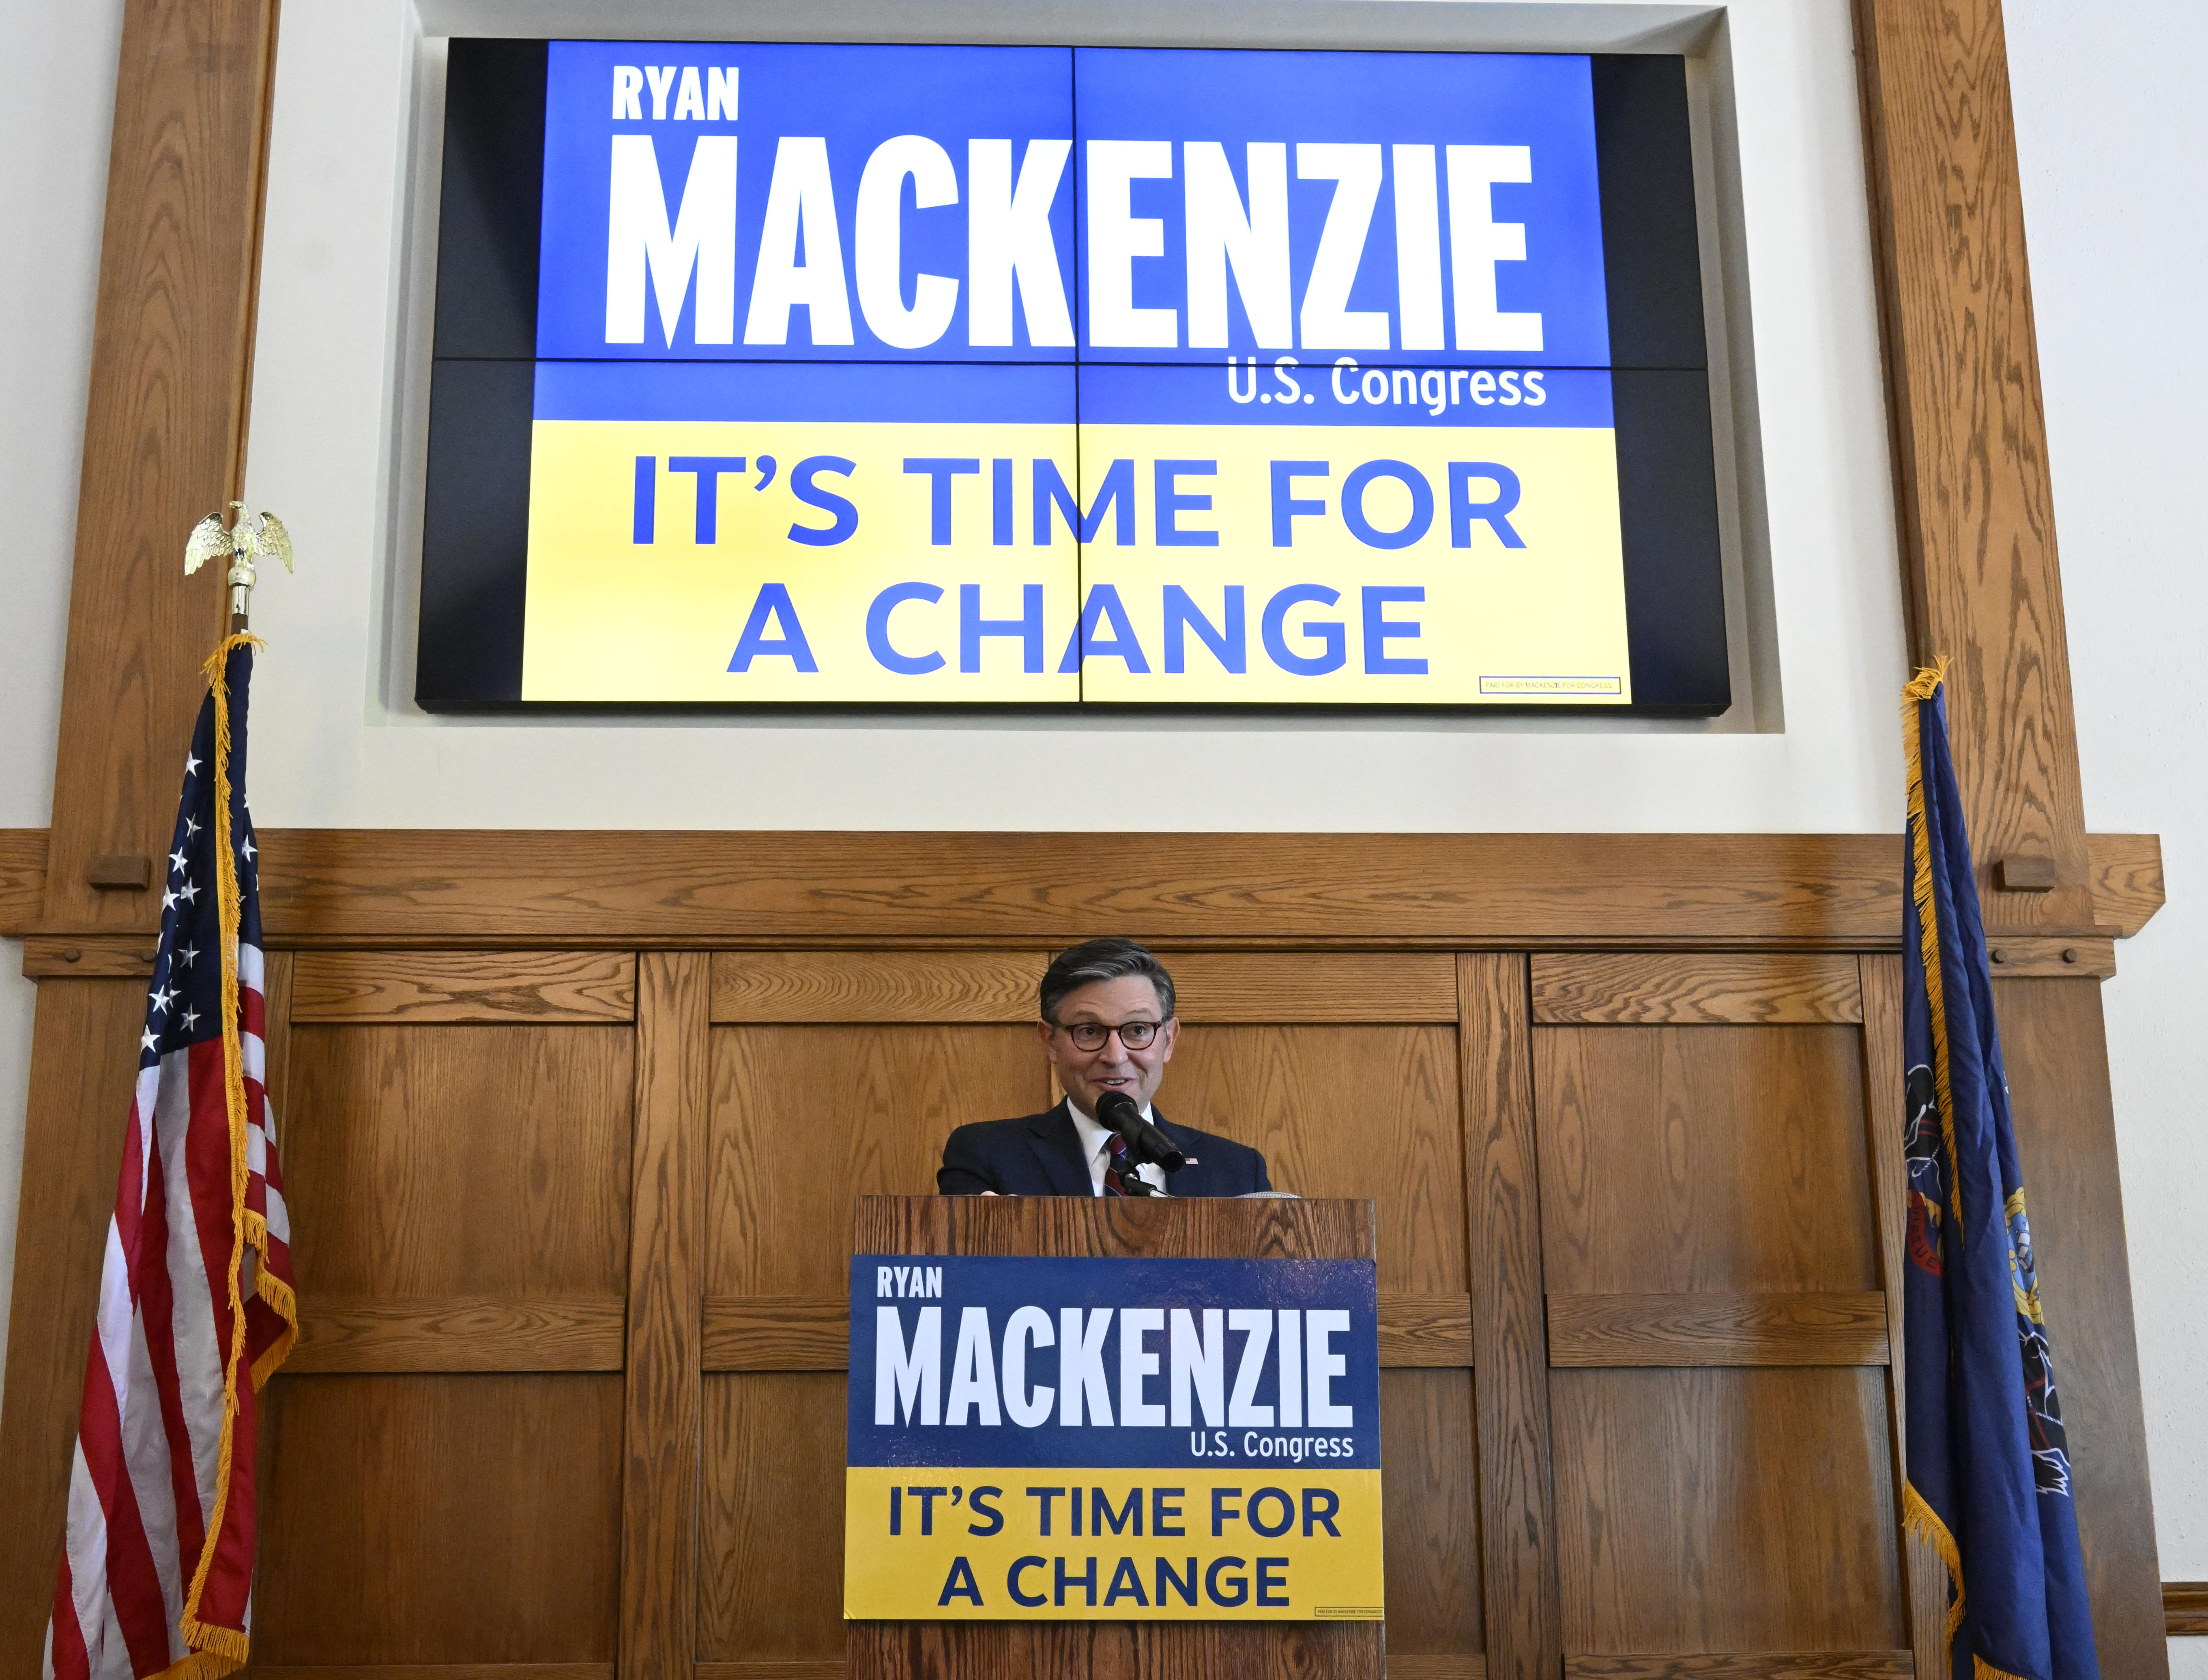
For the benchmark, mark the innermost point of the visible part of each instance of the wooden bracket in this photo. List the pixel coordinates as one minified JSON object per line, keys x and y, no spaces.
{"x":75,"y":957}
{"x":2018,"y":957}
{"x":130,"y":871}
{"x":2025,"y":874}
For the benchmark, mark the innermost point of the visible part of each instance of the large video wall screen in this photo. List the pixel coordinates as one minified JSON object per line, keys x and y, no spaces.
{"x":943,"y":375}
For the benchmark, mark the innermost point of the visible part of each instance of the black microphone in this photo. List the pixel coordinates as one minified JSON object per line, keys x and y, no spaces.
{"x":1145,"y":1143}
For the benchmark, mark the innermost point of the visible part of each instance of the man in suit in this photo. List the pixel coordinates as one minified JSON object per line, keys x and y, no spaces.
{"x":1107,"y":1025}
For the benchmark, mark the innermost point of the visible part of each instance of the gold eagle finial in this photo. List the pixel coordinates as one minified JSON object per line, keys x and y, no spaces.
{"x":249,"y":537}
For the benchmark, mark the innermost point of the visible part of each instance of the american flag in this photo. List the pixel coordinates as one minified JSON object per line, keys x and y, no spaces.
{"x":196,"y":1308}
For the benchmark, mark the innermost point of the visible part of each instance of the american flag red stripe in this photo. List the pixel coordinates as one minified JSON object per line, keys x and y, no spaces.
{"x":196,"y":1300}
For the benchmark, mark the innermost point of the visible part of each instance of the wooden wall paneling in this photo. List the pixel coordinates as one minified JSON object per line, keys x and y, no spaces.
{"x":876,"y":986}
{"x":82,"y":1072}
{"x":538,"y":986}
{"x":440,"y":1520}
{"x":277,"y":969}
{"x":659,"y":1432}
{"x":1362,"y":1111}
{"x":2056,"y":1057}
{"x":460,"y":1199}
{"x":165,"y":430}
{"x":462,"y":1164}
{"x":1924,"y":1577}
{"x":1703,"y":1159}
{"x":1718,"y":1327}
{"x":1356,"y":1111}
{"x":805,"y":1118}
{"x":1429,"y":1497}
{"x":1517,"y":1521}
{"x":1343,"y":987}
{"x":1970,"y":436}
{"x":1693,"y":988}
{"x":1745,"y":1510}
{"x":1706,"y":1208}
{"x":770,"y":1519}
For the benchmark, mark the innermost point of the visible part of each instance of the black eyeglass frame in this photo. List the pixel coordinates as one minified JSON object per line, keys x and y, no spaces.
{"x":1105,"y":1032}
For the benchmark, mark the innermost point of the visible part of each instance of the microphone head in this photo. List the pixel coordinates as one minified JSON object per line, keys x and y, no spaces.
{"x":1116,"y":1109}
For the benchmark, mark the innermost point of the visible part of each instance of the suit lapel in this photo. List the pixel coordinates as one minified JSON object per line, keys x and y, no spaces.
{"x":1058,"y":1147}
{"x":1184,"y":1182}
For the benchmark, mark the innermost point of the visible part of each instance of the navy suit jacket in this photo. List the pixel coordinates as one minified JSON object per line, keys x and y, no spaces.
{"x":1041,"y":1155}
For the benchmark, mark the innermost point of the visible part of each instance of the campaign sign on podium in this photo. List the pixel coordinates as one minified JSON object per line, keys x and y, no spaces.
{"x":1112,"y":1438}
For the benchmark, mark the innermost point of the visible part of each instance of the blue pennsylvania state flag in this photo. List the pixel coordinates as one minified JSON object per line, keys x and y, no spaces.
{"x":1988,"y":1466}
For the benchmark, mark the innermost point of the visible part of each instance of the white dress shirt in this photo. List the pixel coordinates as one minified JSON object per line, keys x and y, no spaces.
{"x":1096,"y":1141}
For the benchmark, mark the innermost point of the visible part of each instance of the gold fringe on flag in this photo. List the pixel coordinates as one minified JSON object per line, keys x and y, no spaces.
{"x":1922,"y":687}
{"x":1917,"y":1516}
{"x":219,"y":1650}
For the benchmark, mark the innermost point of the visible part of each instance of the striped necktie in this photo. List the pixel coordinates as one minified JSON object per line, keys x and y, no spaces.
{"x":1116,"y":1148}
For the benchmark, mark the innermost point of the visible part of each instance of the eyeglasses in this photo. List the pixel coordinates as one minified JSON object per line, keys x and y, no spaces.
{"x":1091,"y":1035}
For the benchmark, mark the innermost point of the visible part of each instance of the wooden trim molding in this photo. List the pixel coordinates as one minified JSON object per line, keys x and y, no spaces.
{"x":74,"y":956}
{"x":164,"y":432}
{"x":1521,"y":1605}
{"x":1224,"y":988}
{"x":812,"y":1332}
{"x":876,"y":986}
{"x":1924,"y":1577}
{"x":1747,"y":1665}
{"x":1702,"y":988}
{"x":444,"y":1672}
{"x":662,"y":1392}
{"x":333,"y":888}
{"x":456,"y":1335}
{"x":538,"y":987}
{"x":1718,"y":1329}
{"x":1439,"y":1666}
{"x":1973,"y":496}
{"x":2185,"y":1607}
{"x":775,"y":1333}
{"x":2126,"y":880}
{"x":2015,"y":958}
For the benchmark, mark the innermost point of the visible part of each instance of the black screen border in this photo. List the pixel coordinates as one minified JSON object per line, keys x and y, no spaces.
{"x":474,"y":588}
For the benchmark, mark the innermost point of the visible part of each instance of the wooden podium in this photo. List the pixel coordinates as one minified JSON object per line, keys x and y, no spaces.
{"x":1074,"y":1228}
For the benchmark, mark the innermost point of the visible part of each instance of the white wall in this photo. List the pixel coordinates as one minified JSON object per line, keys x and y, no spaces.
{"x":337,"y":378}
{"x":2114,"y":182}
{"x":54,"y":126}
